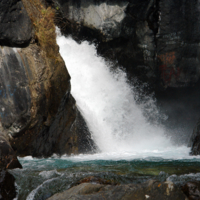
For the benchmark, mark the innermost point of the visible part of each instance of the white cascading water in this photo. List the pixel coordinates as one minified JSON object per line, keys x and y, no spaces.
{"x":116,"y":121}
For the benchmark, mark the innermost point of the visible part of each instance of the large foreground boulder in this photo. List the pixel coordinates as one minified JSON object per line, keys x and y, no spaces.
{"x":152,"y":190}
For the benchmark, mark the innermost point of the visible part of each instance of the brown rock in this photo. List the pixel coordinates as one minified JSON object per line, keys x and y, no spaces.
{"x":151,"y":190}
{"x":37,"y":110}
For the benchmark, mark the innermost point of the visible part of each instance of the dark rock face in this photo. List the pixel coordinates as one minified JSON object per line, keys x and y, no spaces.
{"x":8,"y":159}
{"x":38,"y":111}
{"x":195,"y":140}
{"x":14,"y":91}
{"x":16,"y":28}
{"x":178,"y":43}
{"x":152,"y":190}
{"x":7,"y":186}
{"x":156,"y":41}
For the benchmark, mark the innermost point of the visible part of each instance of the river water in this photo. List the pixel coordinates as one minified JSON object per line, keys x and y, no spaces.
{"x":133,"y":146}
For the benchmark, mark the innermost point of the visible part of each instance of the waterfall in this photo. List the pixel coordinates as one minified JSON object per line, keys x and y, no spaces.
{"x":116,"y":121}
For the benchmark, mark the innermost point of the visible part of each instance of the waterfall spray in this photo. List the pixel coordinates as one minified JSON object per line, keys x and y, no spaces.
{"x":106,"y":100}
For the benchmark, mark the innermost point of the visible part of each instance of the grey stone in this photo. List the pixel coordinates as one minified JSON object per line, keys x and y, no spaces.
{"x":152,"y":190}
{"x":15,"y":24}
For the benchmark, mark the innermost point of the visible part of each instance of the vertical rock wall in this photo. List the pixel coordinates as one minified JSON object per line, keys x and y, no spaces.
{"x":38,"y":115}
{"x":157,"y":41}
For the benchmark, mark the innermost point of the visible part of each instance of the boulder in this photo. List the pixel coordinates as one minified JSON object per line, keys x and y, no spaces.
{"x":152,"y":190}
{"x":16,"y":27}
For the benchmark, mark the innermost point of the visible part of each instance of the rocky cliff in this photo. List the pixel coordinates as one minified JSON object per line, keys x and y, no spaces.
{"x":38,"y":115}
{"x":157,"y":41}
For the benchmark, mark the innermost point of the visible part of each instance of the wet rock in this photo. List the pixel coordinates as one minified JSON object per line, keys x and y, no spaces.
{"x":191,"y":190}
{"x":97,"y":180}
{"x":194,"y":142}
{"x":84,"y":139}
{"x":65,"y":135}
{"x":105,"y":17}
{"x":150,"y":190}
{"x":8,"y":159}
{"x":7,"y":186}
{"x":16,"y":28}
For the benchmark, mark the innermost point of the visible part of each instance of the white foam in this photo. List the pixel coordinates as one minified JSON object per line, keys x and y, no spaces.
{"x":49,"y":174}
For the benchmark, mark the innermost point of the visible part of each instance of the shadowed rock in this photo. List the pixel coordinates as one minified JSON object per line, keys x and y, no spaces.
{"x":8,"y":159}
{"x":16,"y":28}
{"x":7,"y":186}
{"x":155,"y":41}
{"x":194,"y":142}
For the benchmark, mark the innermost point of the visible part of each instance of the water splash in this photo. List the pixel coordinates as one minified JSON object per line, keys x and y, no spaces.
{"x":117,"y":123}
